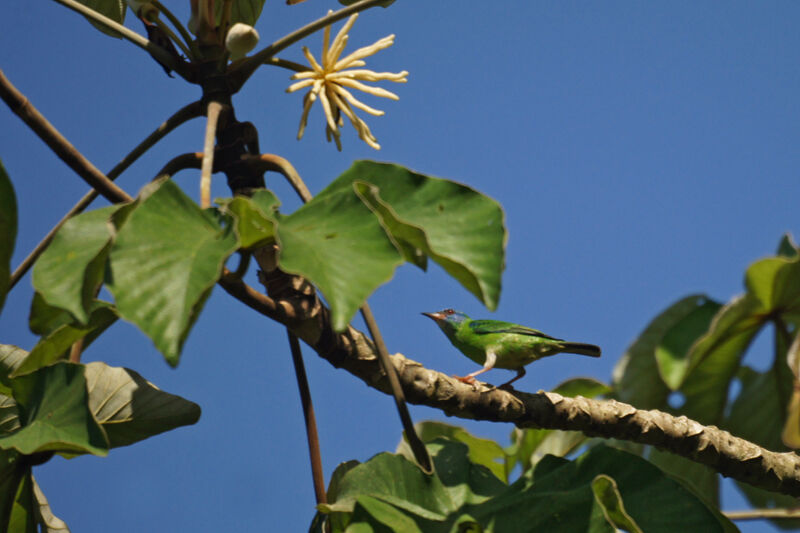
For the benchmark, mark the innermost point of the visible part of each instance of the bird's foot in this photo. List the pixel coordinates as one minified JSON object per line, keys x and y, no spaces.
{"x":469,"y":380}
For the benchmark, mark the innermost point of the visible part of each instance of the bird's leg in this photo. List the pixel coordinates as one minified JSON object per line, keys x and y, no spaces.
{"x":507,"y":385}
{"x":491,"y":359}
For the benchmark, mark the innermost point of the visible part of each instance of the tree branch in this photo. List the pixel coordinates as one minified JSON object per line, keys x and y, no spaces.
{"x":60,"y":145}
{"x":214,"y":109}
{"x":351,"y":350}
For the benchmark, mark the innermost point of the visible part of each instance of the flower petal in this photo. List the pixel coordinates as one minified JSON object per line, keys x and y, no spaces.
{"x":299,"y":85}
{"x":355,"y":102}
{"x":366,"y":51}
{"x":377,"y":91}
{"x":311,"y":60}
{"x":340,"y":40}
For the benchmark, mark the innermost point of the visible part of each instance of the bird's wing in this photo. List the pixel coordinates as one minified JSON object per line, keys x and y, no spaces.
{"x":482,"y":327}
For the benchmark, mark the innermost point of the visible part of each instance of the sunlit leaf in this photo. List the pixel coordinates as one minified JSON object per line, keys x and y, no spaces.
{"x":164,"y":262}
{"x":8,"y":231}
{"x":70,"y":270}
{"x":339,"y":245}
{"x":49,"y":522}
{"x":775,"y":282}
{"x":454,"y":225}
{"x":54,"y":413}
{"x":131,"y":408}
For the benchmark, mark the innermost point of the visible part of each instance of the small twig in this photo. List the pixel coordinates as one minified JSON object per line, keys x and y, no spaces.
{"x":159,"y":53}
{"x":184,"y":114}
{"x":75,"y":351}
{"x":63,"y":149}
{"x":244,"y":263}
{"x":310,"y":420}
{"x":759,"y":514}
{"x":252,"y":298}
{"x":208,"y":154}
{"x":249,"y":65}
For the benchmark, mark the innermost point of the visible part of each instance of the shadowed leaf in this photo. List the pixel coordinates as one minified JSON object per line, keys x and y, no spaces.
{"x":71,"y":268}
{"x":607,"y":495}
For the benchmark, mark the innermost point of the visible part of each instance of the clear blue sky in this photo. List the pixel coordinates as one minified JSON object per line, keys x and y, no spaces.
{"x":642,"y":151}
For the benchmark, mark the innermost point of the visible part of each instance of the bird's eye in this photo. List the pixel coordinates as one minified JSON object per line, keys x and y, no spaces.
{"x":448,"y":311}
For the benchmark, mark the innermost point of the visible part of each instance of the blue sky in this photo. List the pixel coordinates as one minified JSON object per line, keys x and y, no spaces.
{"x":642,"y":151}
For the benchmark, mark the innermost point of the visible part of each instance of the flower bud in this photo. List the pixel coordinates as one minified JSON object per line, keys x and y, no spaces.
{"x":241,"y":39}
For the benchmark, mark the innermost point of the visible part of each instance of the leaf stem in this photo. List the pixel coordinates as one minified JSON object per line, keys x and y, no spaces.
{"x":249,"y":65}
{"x":171,"y":34}
{"x":162,"y":55}
{"x":276,"y":163}
{"x":285,"y":63}
{"x":759,"y":514}
{"x":214,"y":109}
{"x":184,"y":114}
{"x":309,"y":418}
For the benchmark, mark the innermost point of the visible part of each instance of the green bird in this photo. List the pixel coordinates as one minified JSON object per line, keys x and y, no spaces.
{"x":496,"y":344}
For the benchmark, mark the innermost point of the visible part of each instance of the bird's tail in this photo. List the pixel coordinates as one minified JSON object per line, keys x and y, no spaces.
{"x":582,"y":349}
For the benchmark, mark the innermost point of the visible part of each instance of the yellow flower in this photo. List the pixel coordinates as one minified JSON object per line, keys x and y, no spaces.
{"x":329,"y":83}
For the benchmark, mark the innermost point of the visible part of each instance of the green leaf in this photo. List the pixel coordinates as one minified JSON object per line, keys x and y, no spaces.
{"x":637,"y":379}
{"x":57,"y":343}
{"x":8,"y":231}
{"x":54,"y":412}
{"x":775,"y":282}
{"x":702,"y":480}
{"x":23,"y":512}
{"x":255,"y":217}
{"x":45,"y":318}
{"x":9,"y":415}
{"x":671,"y":353}
{"x":164,"y":262}
{"x":339,"y":245}
{"x":70,"y":270}
{"x":245,"y":11}
{"x":113,"y":9}
{"x":716,"y":357}
{"x":130,"y":408}
{"x":607,"y":495}
{"x":454,"y":225}
{"x":482,"y":452}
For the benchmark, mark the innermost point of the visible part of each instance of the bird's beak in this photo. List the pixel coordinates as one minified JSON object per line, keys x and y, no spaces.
{"x":435,"y":316}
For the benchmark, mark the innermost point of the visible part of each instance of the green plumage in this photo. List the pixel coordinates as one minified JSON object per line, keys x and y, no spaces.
{"x":510,"y":345}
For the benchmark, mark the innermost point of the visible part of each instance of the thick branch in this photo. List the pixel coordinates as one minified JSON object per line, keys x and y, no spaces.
{"x":729,"y":455}
{"x":61,"y":146}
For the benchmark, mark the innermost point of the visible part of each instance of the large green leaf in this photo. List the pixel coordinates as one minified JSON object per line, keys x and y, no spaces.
{"x":11,"y":358}
{"x":23,"y":512}
{"x":673,"y":350}
{"x":130,"y":408}
{"x":775,"y":282}
{"x":8,"y":231}
{"x":54,"y":412}
{"x":451,"y":223}
{"x":56,"y":344}
{"x":339,"y":245}
{"x":164,"y":262}
{"x":245,"y":11}
{"x":70,"y":270}
{"x":637,"y":379}
{"x":482,"y":452}
{"x":702,"y":480}
{"x":44,"y":318}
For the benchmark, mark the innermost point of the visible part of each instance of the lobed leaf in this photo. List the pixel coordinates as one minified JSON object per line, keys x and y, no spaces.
{"x":164,"y":262}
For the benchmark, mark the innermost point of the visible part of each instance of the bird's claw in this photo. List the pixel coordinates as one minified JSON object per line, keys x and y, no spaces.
{"x":469,"y":380}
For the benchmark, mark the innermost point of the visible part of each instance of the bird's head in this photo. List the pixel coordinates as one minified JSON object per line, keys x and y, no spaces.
{"x":448,"y":319}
